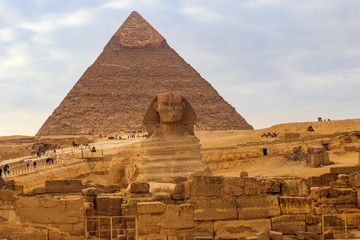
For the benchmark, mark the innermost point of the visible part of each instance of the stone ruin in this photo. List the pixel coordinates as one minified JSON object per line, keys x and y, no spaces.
{"x":316,"y":156}
{"x":171,"y":150}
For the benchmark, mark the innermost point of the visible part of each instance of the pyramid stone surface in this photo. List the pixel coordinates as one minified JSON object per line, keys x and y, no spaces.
{"x":114,"y":92}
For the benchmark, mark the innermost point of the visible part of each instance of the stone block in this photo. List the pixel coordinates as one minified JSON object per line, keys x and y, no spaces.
{"x":90,"y":191}
{"x":302,"y":235}
{"x":331,"y":196}
{"x":252,"y":207}
{"x":262,"y":235}
{"x":328,"y":234}
{"x":315,"y":160}
{"x":108,"y":205}
{"x":273,"y":186}
{"x":179,"y":191}
{"x":151,"y":218}
{"x":214,"y":209}
{"x":241,"y":228}
{"x":274,"y":235}
{"x":201,"y":230}
{"x":6,"y":195}
{"x":296,"y":188}
{"x":295,"y":205}
{"x":326,"y":159}
{"x":244,"y":174}
{"x":314,"y":149}
{"x":63,"y":186}
{"x":340,"y":208}
{"x":150,"y":207}
{"x":156,"y":237}
{"x":207,"y":186}
{"x":289,"y":224}
{"x":27,"y":202}
{"x":145,"y":229}
{"x":251,"y":186}
{"x":253,"y":238}
{"x":178,"y":216}
{"x":234,"y":186}
{"x":42,"y":215}
{"x":345,"y":170}
{"x":23,"y":231}
{"x":138,"y":187}
{"x":38,"y":191}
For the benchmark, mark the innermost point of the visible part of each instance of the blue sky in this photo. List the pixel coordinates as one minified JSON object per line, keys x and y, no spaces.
{"x":275,"y":61}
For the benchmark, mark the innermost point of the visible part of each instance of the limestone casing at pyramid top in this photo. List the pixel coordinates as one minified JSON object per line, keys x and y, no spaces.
{"x":137,"y":32}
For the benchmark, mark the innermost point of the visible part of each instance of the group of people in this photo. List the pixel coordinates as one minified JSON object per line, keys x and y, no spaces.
{"x":320,"y":119}
{"x":6,"y":169}
{"x":269,"y":134}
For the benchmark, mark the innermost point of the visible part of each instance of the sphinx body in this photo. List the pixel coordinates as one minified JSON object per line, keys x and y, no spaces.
{"x":171,"y":149}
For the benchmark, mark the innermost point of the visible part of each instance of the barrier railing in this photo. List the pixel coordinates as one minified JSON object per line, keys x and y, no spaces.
{"x":109,"y":227}
{"x":344,"y":226}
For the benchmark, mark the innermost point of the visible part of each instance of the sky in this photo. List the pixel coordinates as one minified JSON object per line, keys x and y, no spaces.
{"x":275,"y":61}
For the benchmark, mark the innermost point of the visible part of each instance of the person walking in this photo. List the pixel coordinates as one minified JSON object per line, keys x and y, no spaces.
{"x":8,"y":169}
{"x":27,"y":164}
{"x":34,"y":164}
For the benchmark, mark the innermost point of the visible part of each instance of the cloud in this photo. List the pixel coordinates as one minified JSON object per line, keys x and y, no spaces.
{"x":201,"y":14}
{"x":121,"y":4}
{"x":7,"y":34}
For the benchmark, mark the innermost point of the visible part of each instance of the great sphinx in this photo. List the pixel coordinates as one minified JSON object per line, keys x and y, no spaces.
{"x":171,"y":150}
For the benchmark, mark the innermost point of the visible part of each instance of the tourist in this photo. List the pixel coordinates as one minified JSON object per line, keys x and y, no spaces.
{"x":27,"y":164}
{"x":8,"y":169}
{"x":34,"y":164}
{"x":52,"y":161}
{"x":93,"y":149}
{"x":310,"y":129}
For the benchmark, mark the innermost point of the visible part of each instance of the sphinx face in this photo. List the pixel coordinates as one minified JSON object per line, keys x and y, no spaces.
{"x":170,"y":108}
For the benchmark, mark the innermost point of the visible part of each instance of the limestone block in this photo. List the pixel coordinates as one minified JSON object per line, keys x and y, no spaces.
{"x":302,"y":235}
{"x":274,"y":235}
{"x":315,"y":160}
{"x":138,"y":187}
{"x":329,"y":195}
{"x":214,"y":209}
{"x":108,"y":205}
{"x":314,"y":149}
{"x":27,"y":202}
{"x":241,"y":228}
{"x":179,"y":191}
{"x":244,"y":174}
{"x":63,"y":186}
{"x":262,"y":236}
{"x":311,"y":219}
{"x":150,"y":207}
{"x":355,"y":179}
{"x":38,"y":191}
{"x":340,"y":208}
{"x":42,"y":215}
{"x":289,"y":224}
{"x":253,"y":238}
{"x":295,"y":205}
{"x":234,"y":186}
{"x":156,"y":237}
{"x":251,"y":186}
{"x":22,"y":231}
{"x":163,"y":197}
{"x":252,"y":207}
{"x":150,"y":218}
{"x":328,"y":234}
{"x":298,"y":188}
{"x":6,"y":195}
{"x":178,"y":216}
{"x":207,"y":186}
{"x":91,"y":191}
{"x":289,"y":237}
{"x":273,"y":186}
{"x":145,"y":229}
{"x":201,"y":230}
{"x":73,"y":229}
{"x":326,"y":159}
{"x":316,"y":228}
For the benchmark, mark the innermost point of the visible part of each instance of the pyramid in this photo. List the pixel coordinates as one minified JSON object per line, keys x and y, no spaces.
{"x":114,"y":93}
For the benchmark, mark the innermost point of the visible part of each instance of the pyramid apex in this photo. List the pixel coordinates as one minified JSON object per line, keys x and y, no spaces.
{"x":137,"y":32}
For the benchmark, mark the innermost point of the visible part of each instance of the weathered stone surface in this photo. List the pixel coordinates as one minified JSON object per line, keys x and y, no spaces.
{"x":289,"y":224}
{"x":91,"y":191}
{"x":42,"y":215}
{"x":328,"y":234}
{"x":302,"y":235}
{"x":241,"y":228}
{"x":156,"y":237}
{"x":234,"y":186}
{"x":138,"y":187}
{"x":23,"y":232}
{"x":274,"y":235}
{"x":244,"y":174}
{"x":328,"y":195}
{"x":63,"y":186}
{"x":314,"y":149}
{"x":108,"y":205}
{"x":214,"y":209}
{"x":345,"y":170}
{"x":295,"y":205}
{"x":6,"y":195}
{"x":150,"y":207}
{"x":273,"y":186}
{"x":38,"y":191}
{"x":178,"y":216}
{"x":299,"y":188}
{"x":27,"y":202}
{"x":355,"y":179}
{"x":207,"y":186}
{"x":252,"y":207}
{"x":262,"y":236}
{"x":296,"y":154}
{"x":136,"y":59}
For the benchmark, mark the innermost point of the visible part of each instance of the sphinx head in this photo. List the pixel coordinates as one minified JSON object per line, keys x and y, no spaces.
{"x":170,"y":107}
